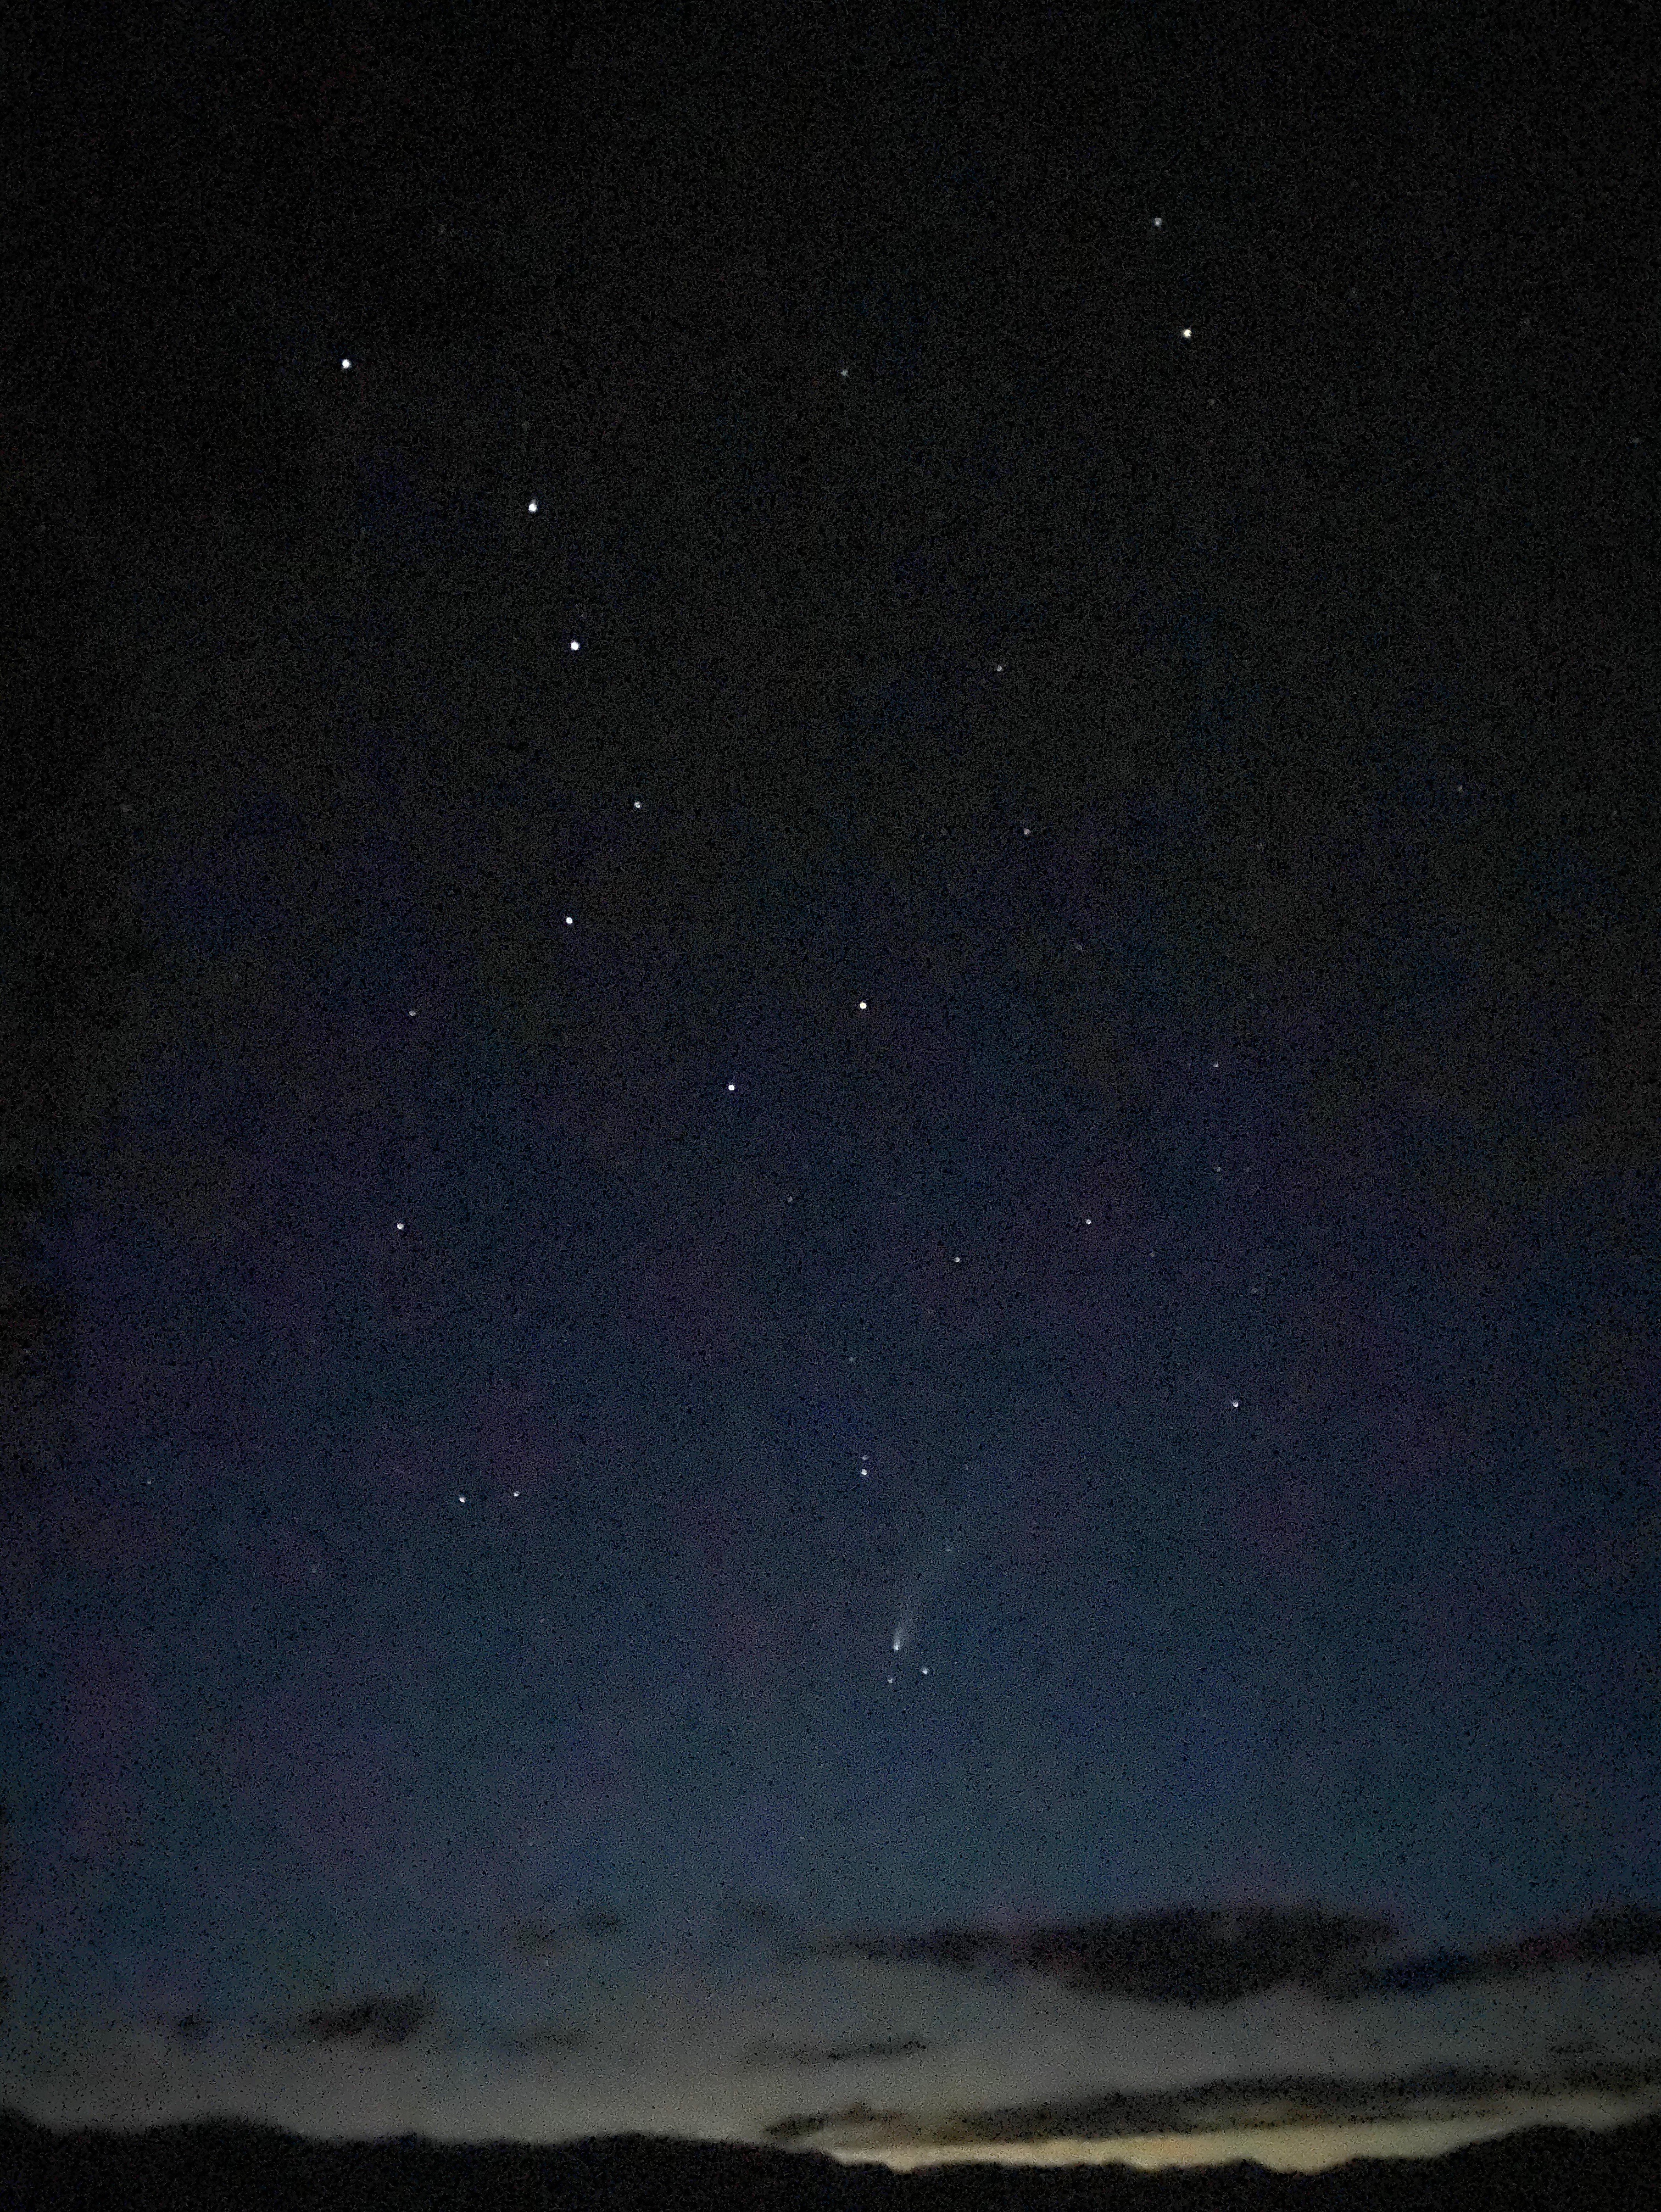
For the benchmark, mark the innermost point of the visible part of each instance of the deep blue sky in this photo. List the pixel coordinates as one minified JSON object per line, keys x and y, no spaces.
{"x":1037,"y":1037}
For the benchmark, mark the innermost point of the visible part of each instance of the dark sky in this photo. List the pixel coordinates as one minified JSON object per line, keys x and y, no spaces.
{"x":833,"y":1028}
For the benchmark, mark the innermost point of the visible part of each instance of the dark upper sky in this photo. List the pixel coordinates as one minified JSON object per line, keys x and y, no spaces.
{"x":830,"y":926}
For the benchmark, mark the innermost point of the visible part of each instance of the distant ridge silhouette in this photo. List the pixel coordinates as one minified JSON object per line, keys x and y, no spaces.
{"x":216,"y":2167}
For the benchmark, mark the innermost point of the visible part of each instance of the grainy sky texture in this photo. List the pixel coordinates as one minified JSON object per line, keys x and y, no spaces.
{"x":835,"y":1102}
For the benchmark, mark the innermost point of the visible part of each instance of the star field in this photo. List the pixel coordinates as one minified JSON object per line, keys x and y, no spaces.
{"x":834,"y":1083}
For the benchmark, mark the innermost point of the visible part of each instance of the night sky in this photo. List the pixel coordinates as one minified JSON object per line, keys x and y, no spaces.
{"x":830,"y":1033}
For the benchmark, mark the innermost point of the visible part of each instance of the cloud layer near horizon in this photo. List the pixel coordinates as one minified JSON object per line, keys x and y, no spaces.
{"x":905,"y":2059}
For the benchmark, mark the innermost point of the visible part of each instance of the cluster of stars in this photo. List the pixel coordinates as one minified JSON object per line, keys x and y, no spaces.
{"x":533,"y":508}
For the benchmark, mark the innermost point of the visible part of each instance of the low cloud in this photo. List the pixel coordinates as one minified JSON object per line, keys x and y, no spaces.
{"x":1154,"y":2038}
